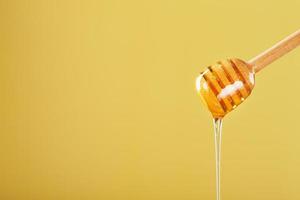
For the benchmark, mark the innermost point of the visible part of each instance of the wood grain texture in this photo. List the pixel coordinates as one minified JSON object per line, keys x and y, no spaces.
{"x":275,"y":52}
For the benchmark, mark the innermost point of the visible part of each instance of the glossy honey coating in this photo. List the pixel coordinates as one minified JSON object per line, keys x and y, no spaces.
{"x":225,"y":85}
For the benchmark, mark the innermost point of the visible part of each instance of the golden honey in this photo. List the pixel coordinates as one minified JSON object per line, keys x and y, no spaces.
{"x":225,"y":85}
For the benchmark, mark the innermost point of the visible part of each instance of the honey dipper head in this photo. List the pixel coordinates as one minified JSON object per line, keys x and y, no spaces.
{"x":225,"y":85}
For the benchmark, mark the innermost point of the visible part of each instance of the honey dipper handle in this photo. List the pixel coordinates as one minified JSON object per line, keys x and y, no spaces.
{"x":276,"y":51}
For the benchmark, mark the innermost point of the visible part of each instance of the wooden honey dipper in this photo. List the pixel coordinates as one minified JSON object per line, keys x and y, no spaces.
{"x":226,"y":84}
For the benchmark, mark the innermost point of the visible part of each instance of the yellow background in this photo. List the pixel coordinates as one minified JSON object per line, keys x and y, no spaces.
{"x":98,"y":101}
